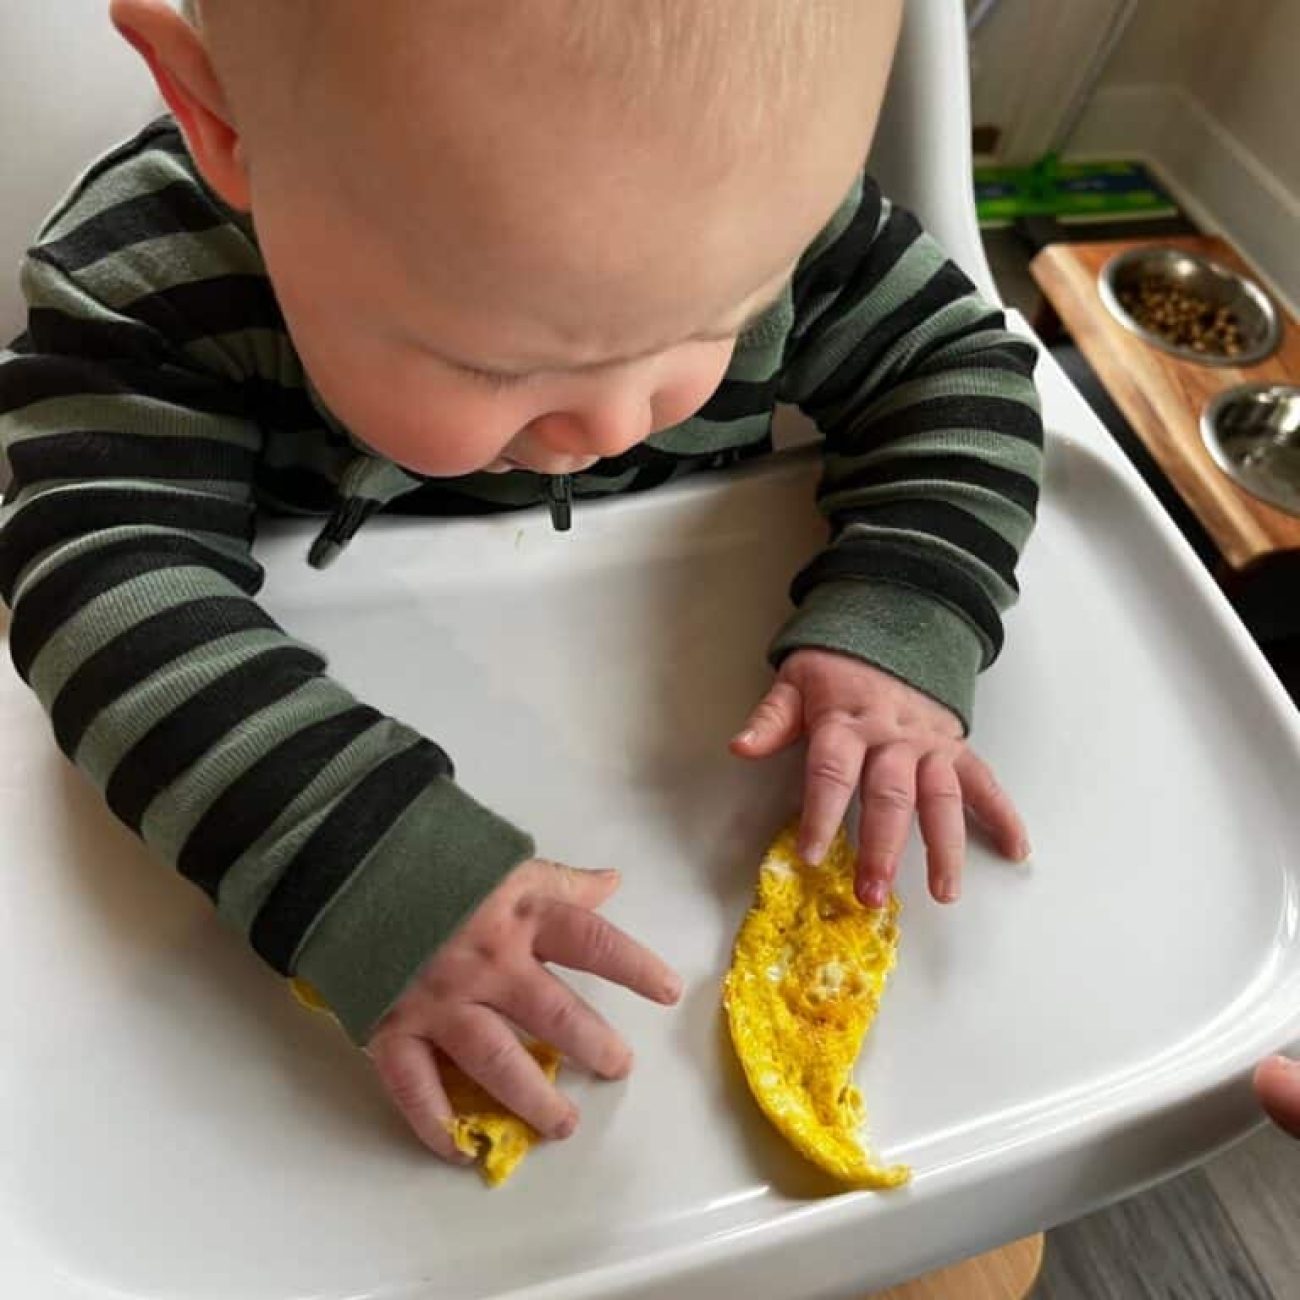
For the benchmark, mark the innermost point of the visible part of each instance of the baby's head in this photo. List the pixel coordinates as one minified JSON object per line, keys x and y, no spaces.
{"x":522,"y":232}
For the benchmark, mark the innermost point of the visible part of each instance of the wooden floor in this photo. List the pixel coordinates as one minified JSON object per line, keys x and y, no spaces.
{"x":1227,"y":1231}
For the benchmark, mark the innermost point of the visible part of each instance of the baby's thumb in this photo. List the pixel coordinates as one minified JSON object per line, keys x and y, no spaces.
{"x":581,"y":888}
{"x":774,"y":724}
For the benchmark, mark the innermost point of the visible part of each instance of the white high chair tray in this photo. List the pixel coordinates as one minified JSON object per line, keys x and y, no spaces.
{"x":175,"y":1126}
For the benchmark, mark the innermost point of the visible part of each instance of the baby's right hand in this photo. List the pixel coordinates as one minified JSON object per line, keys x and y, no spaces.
{"x":491,"y":974}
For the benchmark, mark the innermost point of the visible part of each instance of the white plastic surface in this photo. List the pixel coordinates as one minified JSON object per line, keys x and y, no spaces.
{"x":173,"y":1125}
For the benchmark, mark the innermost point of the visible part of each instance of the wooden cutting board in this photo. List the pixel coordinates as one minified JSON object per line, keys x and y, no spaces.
{"x":1162,"y":397}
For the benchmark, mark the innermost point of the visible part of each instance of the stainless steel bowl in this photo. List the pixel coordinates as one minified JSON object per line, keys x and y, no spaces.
{"x":1253,"y":433}
{"x":1218,"y":285}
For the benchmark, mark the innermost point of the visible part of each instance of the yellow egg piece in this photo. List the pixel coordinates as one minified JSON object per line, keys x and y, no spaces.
{"x":499,"y":1139}
{"x":482,"y":1128}
{"x":807,"y":971}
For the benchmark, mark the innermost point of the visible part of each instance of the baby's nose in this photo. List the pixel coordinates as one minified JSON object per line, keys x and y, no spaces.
{"x":604,"y":431}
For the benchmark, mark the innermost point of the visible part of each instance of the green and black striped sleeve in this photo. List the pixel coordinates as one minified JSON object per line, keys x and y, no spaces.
{"x":933,"y":452}
{"x":331,"y":836}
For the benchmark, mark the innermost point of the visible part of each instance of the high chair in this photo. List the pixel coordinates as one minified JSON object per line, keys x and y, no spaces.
{"x":72,"y":88}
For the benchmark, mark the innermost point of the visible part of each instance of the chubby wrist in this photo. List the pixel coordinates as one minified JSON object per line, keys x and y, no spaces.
{"x":434,"y":866}
{"x":905,"y":632}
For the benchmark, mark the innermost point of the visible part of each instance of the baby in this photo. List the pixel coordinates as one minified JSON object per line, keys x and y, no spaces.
{"x":454,"y":255}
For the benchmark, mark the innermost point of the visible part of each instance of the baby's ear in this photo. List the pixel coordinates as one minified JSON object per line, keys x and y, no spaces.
{"x":187,"y":80}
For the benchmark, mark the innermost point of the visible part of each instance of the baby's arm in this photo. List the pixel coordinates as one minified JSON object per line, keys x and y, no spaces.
{"x":933,"y":458}
{"x":332,"y":837}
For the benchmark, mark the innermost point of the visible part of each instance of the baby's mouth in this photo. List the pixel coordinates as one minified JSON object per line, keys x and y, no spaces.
{"x":570,"y":465}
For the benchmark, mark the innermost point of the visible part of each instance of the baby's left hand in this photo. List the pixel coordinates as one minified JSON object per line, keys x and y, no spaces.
{"x":871,"y":732}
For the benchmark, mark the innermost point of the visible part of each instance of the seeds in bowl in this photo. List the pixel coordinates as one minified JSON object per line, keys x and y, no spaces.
{"x":1182,"y":318}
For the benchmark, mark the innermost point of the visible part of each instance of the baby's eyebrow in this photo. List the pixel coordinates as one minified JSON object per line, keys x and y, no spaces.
{"x":751,"y":319}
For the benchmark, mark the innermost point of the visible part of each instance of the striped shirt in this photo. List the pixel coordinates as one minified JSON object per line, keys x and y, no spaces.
{"x":155,"y":403}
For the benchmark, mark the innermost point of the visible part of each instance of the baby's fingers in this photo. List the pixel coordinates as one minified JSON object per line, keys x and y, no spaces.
{"x":888,"y":804}
{"x":407,"y":1069}
{"x":1277,"y":1085}
{"x":572,"y":885}
{"x":583,"y":940}
{"x":943,"y":824}
{"x":775,"y":723}
{"x":831,"y":774}
{"x":992,"y":807}
{"x":481,"y":1044}
{"x":550,"y":1010}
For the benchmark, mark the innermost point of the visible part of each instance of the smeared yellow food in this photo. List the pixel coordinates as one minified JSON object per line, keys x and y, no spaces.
{"x":309,"y":995}
{"x":807,"y":971}
{"x":482,"y":1128}
{"x":498,"y":1139}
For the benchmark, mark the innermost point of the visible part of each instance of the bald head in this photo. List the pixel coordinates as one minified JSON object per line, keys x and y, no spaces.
{"x":574,"y":143}
{"x":733,"y":67}
{"x":584,"y":198}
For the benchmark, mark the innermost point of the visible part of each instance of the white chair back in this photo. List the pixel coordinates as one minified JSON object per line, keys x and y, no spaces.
{"x":922,"y":154}
{"x":70,"y":88}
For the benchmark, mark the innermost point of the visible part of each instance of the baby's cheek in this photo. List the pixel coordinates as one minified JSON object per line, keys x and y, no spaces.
{"x":440,"y":430}
{"x":690,"y":386}
{"x":442,"y":440}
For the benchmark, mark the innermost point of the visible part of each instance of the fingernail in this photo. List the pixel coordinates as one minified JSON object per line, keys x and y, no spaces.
{"x":746,"y":737}
{"x":1287,"y":1064}
{"x":621,"y":1068}
{"x":455,"y":1156}
{"x":948,"y":892}
{"x":1025,"y":851}
{"x":672,"y":989}
{"x":877,"y":895}
{"x":814,"y":853}
{"x":566,"y":1127}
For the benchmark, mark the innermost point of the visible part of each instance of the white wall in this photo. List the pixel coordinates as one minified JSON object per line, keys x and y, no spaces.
{"x":1029,"y":63}
{"x":1249,"y":81}
{"x":1240,"y":58}
{"x":1206,"y":90}
{"x":1163,"y":42}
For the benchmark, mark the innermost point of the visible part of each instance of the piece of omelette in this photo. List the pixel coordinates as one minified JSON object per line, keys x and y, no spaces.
{"x":494,"y":1136}
{"x":482,"y":1128}
{"x":807,"y":971}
